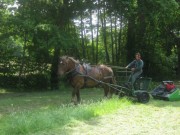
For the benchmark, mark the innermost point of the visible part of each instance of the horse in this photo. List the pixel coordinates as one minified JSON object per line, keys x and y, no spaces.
{"x":84,"y":75}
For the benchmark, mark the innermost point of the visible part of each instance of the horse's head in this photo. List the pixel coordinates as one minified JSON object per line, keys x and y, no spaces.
{"x":65,"y":64}
{"x":62,"y":65}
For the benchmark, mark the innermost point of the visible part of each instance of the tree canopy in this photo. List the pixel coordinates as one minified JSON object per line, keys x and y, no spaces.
{"x":34,"y":33}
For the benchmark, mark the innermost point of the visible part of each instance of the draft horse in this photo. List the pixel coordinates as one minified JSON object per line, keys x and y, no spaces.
{"x":78,"y":73}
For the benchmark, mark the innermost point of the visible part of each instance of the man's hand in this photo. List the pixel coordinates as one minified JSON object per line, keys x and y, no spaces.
{"x":126,"y":67}
{"x":132,"y":69}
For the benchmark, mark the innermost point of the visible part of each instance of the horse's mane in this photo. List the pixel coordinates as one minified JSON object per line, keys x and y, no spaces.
{"x":71,"y":58}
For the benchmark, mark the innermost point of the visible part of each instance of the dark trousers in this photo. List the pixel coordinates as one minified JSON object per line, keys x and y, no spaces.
{"x":134,"y":76}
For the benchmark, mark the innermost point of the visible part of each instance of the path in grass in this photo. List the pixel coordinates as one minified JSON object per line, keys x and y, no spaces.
{"x":155,"y":118}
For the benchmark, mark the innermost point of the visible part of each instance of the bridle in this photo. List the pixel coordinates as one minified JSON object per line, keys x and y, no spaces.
{"x":73,"y":69}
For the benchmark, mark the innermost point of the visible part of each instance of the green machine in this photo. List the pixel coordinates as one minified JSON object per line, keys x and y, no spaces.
{"x":139,"y":90}
{"x":166,"y":91}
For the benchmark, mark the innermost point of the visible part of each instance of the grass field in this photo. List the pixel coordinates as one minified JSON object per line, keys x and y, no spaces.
{"x":50,"y":112}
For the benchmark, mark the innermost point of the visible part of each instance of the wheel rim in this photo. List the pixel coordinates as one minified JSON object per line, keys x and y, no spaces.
{"x":144,"y":97}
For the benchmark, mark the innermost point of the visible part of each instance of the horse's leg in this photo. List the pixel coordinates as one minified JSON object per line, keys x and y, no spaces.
{"x":111,"y":91}
{"x":73,"y":99}
{"x":78,"y":96}
{"x":106,"y":90}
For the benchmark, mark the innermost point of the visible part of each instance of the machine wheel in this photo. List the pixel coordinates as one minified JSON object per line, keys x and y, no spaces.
{"x":143,"y":97}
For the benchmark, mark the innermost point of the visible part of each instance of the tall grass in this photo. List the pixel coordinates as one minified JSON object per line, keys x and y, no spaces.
{"x":27,"y":122}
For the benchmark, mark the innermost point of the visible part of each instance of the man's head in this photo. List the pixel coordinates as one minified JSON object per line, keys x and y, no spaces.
{"x":138,"y":56}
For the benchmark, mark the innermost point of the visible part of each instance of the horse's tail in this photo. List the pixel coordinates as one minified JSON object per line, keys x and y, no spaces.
{"x":113,"y":81}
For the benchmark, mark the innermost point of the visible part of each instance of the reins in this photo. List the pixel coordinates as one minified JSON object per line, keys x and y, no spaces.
{"x":72,"y":70}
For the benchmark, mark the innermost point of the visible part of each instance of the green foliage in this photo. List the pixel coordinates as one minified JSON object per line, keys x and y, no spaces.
{"x":40,"y":81}
{"x":31,"y":34}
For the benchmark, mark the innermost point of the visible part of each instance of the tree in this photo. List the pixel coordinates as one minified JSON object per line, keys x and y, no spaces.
{"x":33,"y":36}
{"x":103,"y":21}
{"x":97,"y":33}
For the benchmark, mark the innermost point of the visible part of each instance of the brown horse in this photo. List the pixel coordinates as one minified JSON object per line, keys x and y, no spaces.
{"x":77,"y":74}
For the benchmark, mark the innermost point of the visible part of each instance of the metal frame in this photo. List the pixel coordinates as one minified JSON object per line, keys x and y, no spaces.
{"x":121,"y":89}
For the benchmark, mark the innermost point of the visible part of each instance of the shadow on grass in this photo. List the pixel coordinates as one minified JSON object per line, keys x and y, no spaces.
{"x":29,"y":101}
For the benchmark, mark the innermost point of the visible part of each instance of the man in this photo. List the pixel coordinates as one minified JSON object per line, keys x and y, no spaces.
{"x":136,"y":68}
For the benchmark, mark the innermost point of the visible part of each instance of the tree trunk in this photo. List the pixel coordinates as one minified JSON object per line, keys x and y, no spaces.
{"x":177,"y":41}
{"x":130,"y":45}
{"x":92,"y":37}
{"x":112,"y":42}
{"x":54,"y":69}
{"x":115,"y":36}
{"x":141,"y":30}
{"x":97,"y":35}
{"x":23,"y":57}
{"x":82,"y":37}
{"x":119,"y":40}
{"x":178,"y":67}
{"x":103,"y":20}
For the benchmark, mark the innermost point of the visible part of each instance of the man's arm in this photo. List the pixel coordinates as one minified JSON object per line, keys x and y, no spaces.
{"x":130,"y":64}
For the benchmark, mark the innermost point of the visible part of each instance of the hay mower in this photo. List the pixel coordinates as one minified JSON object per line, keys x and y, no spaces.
{"x":139,"y":91}
{"x":166,"y":91}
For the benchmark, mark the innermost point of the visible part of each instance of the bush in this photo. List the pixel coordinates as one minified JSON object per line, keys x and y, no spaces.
{"x":36,"y":81}
{"x":8,"y":81}
{"x":40,"y":81}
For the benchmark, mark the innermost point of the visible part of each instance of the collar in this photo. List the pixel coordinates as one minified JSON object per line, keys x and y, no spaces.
{"x":70,"y":74}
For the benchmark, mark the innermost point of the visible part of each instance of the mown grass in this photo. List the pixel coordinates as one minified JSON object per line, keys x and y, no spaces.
{"x":51,"y":112}
{"x":27,"y":113}
{"x":155,"y":118}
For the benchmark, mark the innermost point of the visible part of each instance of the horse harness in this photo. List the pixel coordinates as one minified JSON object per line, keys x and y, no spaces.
{"x":76,"y":71}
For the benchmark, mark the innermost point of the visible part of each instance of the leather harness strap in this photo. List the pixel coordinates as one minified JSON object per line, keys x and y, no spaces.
{"x":72,"y":73}
{"x":86,"y":73}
